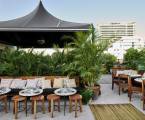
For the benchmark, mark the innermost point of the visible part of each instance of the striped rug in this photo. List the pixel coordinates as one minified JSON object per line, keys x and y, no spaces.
{"x":116,"y":112}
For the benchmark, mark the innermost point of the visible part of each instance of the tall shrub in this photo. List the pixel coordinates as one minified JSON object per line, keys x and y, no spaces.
{"x":131,"y":58}
{"x":108,"y":61}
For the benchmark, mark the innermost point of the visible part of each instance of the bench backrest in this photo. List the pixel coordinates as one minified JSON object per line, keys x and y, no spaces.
{"x":46,"y":78}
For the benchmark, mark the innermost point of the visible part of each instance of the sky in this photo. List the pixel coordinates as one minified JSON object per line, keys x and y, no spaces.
{"x":84,"y":11}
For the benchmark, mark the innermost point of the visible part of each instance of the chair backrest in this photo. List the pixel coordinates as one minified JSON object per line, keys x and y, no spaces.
{"x":123,"y":76}
{"x":114,"y":70}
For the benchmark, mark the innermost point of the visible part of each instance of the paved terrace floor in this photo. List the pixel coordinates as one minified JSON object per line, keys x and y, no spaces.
{"x":107,"y":97}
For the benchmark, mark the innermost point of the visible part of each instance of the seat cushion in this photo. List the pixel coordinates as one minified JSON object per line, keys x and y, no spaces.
{"x":70,"y":82}
{"x":6,"y":82}
{"x":75,"y":97}
{"x":39,"y":83}
{"x":58,"y":83}
{"x":44,"y":84}
{"x":31,"y":83}
{"x":49,"y":91}
{"x":39,"y":97}
{"x":53,"y":97}
{"x":18,"y":83}
{"x":18,"y":98}
{"x":14,"y":91}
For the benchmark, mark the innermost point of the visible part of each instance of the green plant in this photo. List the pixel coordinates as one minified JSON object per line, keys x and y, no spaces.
{"x":86,"y":95}
{"x":87,"y":57}
{"x":108,"y":61}
{"x":131,"y":58}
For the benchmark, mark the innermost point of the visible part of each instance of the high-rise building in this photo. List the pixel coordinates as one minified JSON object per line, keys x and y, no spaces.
{"x":116,"y":30}
{"x":120,"y":47}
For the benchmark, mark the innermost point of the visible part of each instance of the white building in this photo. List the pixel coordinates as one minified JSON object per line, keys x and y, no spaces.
{"x":119,"y":47}
{"x":116,"y":29}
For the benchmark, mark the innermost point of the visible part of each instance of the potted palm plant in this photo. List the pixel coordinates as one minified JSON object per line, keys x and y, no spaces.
{"x":87,"y":62}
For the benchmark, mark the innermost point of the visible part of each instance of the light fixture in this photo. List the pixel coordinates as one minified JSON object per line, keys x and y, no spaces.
{"x":41,"y":42}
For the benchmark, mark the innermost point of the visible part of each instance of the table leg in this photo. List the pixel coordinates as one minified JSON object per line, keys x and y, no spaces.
{"x":76,"y":108}
{"x":52,"y":105}
{"x":64,"y":104}
{"x":16,"y":110}
{"x":9,"y":103}
{"x":35,"y":109}
{"x":26,"y":107}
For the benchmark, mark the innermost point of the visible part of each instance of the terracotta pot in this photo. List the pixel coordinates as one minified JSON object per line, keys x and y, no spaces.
{"x":96,"y":91}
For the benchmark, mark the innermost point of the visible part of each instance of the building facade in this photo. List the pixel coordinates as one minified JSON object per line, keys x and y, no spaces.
{"x":119,"y":47}
{"x":116,"y":30}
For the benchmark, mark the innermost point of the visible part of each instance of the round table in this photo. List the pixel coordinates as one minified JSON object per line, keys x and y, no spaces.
{"x":139,"y":79}
{"x":4,"y":90}
{"x":29,"y":92}
{"x":65,"y":92}
{"x":134,"y":75}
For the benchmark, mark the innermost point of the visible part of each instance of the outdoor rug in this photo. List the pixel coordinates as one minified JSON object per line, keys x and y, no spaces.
{"x":116,"y":112}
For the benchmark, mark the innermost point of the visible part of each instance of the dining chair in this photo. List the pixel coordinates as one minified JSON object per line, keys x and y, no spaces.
{"x":52,"y":98}
{"x":77,"y":100}
{"x":34,"y":100}
{"x":122,"y":83}
{"x":133,"y":87}
{"x":16,"y":100}
{"x":119,"y":80}
{"x":3,"y":99}
{"x":143,"y":93}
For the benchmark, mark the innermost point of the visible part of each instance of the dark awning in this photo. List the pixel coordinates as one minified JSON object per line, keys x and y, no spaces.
{"x":41,"y":20}
{"x":39,"y":25}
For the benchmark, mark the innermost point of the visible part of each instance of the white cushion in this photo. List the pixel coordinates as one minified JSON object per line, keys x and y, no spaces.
{"x":31,"y":83}
{"x":134,"y":72}
{"x":70,"y":82}
{"x":39,"y":83}
{"x":143,"y":75}
{"x":58,"y":83}
{"x":18,"y":83}
{"x":46,"y":84}
{"x":6,"y":82}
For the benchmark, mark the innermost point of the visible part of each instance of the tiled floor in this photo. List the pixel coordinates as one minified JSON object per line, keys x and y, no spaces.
{"x":107,"y":97}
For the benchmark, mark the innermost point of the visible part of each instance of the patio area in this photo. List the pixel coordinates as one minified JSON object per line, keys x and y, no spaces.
{"x":108,"y":96}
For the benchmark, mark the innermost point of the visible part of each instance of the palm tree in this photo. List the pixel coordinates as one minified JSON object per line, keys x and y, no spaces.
{"x":88,"y":54}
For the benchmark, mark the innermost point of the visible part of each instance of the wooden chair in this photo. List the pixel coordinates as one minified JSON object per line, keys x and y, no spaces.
{"x":133,"y":87}
{"x":120,"y":80}
{"x":143,"y":93}
{"x":34,"y":99}
{"x":3,"y":99}
{"x":122,"y":83}
{"x":114,"y":75}
{"x":77,"y":98}
{"x":52,"y":98}
{"x":16,"y":100}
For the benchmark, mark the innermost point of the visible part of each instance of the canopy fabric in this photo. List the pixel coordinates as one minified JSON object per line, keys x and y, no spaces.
{"x":39,"y":29}
{"x":41,"y":20}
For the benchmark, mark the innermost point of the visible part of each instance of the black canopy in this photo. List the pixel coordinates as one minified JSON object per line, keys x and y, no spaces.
{"x":38,"y":29}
